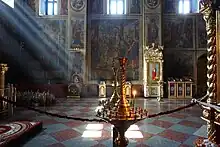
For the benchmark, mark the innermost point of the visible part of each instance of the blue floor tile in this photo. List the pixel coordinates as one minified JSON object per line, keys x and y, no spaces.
{"x":170,"y":119}
{"x":202,"y":132}
{"x":152,"y":129}
{"x":183,"y":129}
{"x":43,"y":140}
{"x":55,"y":128}
{"x":195,"y":119}
{"x":190,"y":141}
{"x":157,"y":141}
{"x":108,"y":142}
{"x":79,"y":142}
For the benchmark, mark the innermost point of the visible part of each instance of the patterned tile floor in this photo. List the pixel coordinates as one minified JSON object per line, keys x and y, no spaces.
{"x":178,"y":129}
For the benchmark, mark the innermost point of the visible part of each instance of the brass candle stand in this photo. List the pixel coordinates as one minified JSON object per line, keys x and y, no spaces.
{"x":115,"y":96}
{"x":122,"y":115}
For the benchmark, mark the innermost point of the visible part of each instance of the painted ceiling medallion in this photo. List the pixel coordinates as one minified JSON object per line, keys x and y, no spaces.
{"x":77,"y":5}
{"x":152,"y":4}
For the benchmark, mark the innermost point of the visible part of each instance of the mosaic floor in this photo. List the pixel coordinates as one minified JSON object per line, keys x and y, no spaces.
{"x":174,"y":130}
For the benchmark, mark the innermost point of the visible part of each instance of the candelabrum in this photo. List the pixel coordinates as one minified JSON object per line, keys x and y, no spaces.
{"x":121,"y":115}
{"x":115,"y":96}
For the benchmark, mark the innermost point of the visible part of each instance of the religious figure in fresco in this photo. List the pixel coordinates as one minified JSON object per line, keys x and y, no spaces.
{"x":135,"y":6}
{"x":154,"y":71}
{"x":77,"y":33}
{"x":111,"y":39}
{"x":64,"y":8}
{"x":153,"y":31}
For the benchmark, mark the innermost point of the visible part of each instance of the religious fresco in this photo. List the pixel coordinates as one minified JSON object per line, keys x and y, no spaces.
{"x":32,"y":4}
{"x":169,"y":6}
{"x":178,"y":32}
{"x":152,"y":29}
{"x":202,"y":35}
{"x":110,"y":39}
{"x":77,"y":39}
{"x":178,"y":64}
{"x":55,"y":77}
{"x":95,"y":7}
{"x":76,"y":63}
{"x":154,"y":72}
{"x":135,"y":7}
{"x":63,"y":7}
{"x":56,"y":30}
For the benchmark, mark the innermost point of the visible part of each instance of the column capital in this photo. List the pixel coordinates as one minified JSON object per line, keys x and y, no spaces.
{"x":3,"y":68}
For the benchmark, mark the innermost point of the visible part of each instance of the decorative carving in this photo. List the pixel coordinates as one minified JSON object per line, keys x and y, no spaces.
{"x":152,"y":4}
{"x":153,"y":71}
{"x":75,"y":88}
{"x":77,"y":5}
{"x":3,"y":68}
{"x":153,"y":52}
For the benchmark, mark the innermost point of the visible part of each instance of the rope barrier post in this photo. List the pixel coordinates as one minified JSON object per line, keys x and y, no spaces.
{"x":7,"y":95}
{"x":15,"y":97}
{"x":11,"y":98}
{"x":209,"y":15}
{"x":3,"y":69}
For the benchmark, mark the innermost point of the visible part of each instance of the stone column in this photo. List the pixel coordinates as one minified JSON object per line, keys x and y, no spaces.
{"x":3,"y":69}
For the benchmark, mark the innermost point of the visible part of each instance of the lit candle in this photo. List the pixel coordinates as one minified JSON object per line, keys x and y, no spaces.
{"x":134,"y":92}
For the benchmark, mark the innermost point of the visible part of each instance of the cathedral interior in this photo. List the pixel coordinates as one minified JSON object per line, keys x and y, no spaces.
{"x":102,"y":73}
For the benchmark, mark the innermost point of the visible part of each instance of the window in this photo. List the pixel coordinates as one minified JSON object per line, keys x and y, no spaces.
{"x":184,"y":6}
{"x":9,"y":3}
{"x":48,"y":7}
{"x":116,"y":6}
{"x":188,"y":6}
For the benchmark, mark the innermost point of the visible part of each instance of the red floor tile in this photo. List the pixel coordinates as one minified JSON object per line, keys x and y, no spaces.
{"x":173,"y":135}
{"x":190,"y":124}
{"x":65,"y":135}
{"x":163,"y":124}
{"x":49,"y":121}
{"x":73,"y":124}
{"x":176,"y":115}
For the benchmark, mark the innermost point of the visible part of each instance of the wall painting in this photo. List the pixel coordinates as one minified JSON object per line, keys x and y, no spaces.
{"x":77,"y":39}
{"x":110,"y":39}
{"x":178,"y":32}
{"x":202,"y":35}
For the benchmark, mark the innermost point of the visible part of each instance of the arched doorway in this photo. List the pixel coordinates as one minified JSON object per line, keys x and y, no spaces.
{"x":201,"y":75}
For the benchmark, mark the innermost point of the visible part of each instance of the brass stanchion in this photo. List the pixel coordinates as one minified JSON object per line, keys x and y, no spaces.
{"x":3,"y":69}
{"x":209,"y":15}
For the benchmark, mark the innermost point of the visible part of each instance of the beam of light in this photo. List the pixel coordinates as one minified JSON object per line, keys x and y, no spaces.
{"x":26,"y":33}
{"x":35,"y":32}
{"x":95,"y":127}
{"x":9,"y":42}
{"x":52,"y":42}
{"x":92,"y":134}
